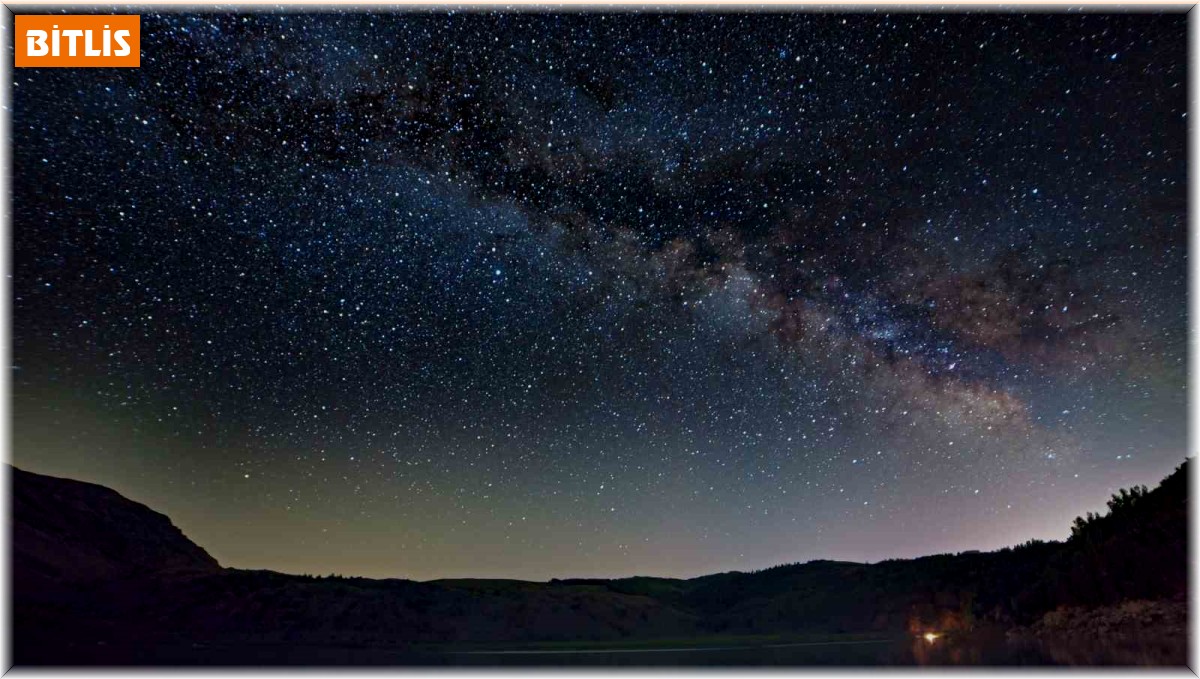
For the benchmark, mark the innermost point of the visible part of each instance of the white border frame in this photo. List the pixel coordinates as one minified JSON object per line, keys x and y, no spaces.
{"x":6,"y":78}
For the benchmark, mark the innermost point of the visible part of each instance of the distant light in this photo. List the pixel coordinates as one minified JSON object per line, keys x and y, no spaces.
{"x":930,"y":637}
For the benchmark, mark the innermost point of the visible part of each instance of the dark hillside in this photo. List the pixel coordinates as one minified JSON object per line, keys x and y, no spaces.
{"x":67,"y":531}
{"x":1138,"y":550}
{"x":91,"y":567}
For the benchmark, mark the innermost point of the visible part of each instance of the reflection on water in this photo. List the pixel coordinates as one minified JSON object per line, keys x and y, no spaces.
{"x":996,"y":649}
{"x":1133,"y":650}
{"x":974,"y":649}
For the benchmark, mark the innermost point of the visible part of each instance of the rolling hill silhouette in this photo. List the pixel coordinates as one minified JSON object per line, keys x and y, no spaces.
{"x":98,"y":578}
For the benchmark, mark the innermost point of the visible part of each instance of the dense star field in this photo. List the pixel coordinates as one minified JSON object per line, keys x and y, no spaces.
{"x":536,"y":295}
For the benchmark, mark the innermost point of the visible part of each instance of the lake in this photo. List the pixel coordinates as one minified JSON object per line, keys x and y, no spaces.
{"x":967,"y":650}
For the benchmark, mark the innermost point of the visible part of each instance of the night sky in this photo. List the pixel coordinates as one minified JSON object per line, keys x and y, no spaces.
{"x":537,"y":295}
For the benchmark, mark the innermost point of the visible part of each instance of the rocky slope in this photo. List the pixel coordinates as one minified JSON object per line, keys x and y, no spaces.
{"x":71,"y":532}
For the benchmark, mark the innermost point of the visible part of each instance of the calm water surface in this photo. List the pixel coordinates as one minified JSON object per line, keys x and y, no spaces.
{"x":979,"y":649}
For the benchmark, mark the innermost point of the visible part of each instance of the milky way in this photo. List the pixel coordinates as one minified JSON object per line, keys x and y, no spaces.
{"x":535,"y":295}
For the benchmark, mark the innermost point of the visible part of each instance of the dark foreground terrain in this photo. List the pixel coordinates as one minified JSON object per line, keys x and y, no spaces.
{"x":99,"y":579}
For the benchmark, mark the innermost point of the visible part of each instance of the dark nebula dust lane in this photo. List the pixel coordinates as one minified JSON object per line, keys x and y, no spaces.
{"x":542,"y":295}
